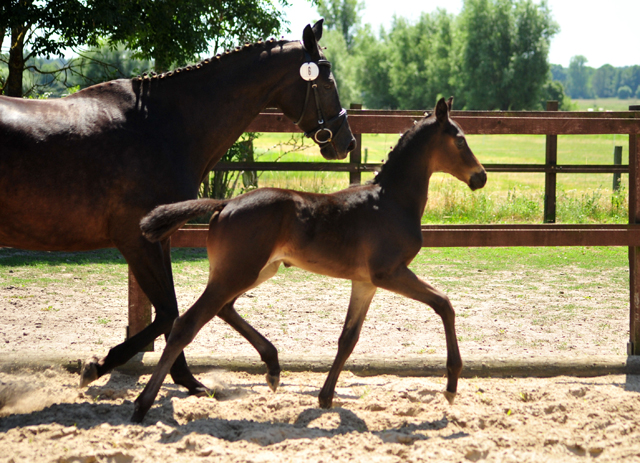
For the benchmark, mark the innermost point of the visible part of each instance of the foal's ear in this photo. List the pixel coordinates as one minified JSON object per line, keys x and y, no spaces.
{"x":310,"y":37}
{"x":442,"y":111}
{"x":450,"y":103}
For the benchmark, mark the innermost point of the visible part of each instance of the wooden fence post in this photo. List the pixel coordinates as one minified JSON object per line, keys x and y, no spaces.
{"x":617,"y":160}
{"x":633,"y":347}
{"x":356,"y":154}
{"x":551,"y":159}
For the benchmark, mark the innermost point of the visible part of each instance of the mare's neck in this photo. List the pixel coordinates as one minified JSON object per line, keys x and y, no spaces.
{"x":213,"y":104}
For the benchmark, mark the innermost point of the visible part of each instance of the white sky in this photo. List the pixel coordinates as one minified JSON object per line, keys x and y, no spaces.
{"x":606,"y":32}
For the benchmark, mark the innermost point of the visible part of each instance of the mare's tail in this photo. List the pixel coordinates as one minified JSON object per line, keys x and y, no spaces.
{"x":160,"y":223}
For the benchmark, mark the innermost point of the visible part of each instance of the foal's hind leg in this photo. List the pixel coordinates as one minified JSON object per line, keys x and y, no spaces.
{"x":361,"y":296}
{"x":184,"y":330}
{"x":151,"y":265}
{"x":404,"y":281}
{"x":268,"y":353}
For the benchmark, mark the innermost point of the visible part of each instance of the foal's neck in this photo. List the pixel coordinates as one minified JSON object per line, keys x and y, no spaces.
{"x":405,"y":176}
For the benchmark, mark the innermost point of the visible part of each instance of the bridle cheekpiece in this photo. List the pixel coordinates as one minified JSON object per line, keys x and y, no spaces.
{"x":310,"y":71}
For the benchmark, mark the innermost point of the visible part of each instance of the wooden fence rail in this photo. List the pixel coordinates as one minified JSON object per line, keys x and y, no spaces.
{"x":550,"y":123}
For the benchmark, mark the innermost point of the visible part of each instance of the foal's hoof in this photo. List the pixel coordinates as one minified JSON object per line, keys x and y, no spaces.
{"x":273,"y":381}
{"x":138,"y":413}
{"x":89,"y":372}
{"x":325,"y":402}
{"x":450,"y":396}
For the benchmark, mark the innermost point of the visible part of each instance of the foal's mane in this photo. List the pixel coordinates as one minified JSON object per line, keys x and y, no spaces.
{"x":215,"y":60}
{"x":420,"y":131}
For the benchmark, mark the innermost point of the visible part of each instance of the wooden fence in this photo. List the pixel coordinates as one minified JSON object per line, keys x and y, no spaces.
{"x":550,"y":123}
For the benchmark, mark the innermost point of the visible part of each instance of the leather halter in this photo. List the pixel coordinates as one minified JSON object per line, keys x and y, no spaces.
{"x":321,"y":130}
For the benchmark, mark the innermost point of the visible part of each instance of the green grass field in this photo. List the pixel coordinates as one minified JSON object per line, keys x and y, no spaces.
{"x":605,"y":104}
{"x":507,"y":197}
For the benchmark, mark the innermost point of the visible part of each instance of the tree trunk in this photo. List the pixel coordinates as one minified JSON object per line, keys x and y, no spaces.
{"x":16,"y":62}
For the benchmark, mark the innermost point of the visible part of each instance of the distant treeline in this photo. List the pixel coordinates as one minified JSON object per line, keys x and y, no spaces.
{"x":582,"y":81}
{"x":493,"y":55}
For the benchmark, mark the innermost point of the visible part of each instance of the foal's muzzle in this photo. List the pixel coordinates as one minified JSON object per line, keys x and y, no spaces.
{"x":478,"y":180}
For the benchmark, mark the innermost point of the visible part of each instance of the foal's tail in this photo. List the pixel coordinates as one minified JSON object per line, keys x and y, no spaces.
{"x":160,"y":223}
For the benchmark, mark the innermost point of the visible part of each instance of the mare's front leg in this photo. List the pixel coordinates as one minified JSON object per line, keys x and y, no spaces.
{"x":151,"y":265}
{"x":403,"y":281}
{"x":361,"y":296}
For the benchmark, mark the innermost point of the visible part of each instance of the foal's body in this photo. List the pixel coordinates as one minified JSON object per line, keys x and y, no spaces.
{"x":368,"y":234}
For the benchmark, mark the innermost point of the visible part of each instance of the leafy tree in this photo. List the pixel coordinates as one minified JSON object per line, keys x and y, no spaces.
{"x":503,"y":50}
{"x":373,"y":71}
{"x":638,"y":92}
{"x":175,"y":31}
{"x":38,"y":28}
{"x":342,"y":16}
{"x":421,"y":59}
{"x":605,"y":81}
{"x":578,"y":78}
{"x":167,"y":31}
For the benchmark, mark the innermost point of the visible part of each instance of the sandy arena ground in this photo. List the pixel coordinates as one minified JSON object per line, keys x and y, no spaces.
{"x":45,"y":418}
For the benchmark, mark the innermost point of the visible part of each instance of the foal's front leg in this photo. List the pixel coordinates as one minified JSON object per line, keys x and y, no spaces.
{"x":403,"y":281}
{"x":361,"y":296}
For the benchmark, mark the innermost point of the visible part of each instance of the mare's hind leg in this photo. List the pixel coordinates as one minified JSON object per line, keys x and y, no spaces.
{"x":151,"y":265}
{"x":268,"y":353}
{"x":361,"y":296}
{"x":404,"y":281}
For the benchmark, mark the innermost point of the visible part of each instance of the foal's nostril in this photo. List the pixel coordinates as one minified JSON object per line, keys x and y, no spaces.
{"x":352,"y":145}
{"x":478,"y":180}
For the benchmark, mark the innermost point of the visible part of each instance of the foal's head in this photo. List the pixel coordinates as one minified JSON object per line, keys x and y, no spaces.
{"x":449,"y":150}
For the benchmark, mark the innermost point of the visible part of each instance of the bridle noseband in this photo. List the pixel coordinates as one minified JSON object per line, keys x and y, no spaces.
{"x":321,"y":131}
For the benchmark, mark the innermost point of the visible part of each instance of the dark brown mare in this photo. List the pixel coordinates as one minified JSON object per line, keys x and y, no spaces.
{"x":80,"y":172}
{"x":368,"y":234}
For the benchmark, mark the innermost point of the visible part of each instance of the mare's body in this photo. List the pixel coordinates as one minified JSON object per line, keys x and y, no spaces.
{"x":368,"y":234}
{"x":80,"y":172}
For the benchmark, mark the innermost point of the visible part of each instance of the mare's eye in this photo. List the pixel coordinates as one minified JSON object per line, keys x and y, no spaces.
{"x":460,"y":142}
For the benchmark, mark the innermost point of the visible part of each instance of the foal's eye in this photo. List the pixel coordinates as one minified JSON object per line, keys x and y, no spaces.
{"x":460,"y":142}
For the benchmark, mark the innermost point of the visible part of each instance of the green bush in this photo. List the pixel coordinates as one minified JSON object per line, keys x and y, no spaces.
{"x":624,"y":92}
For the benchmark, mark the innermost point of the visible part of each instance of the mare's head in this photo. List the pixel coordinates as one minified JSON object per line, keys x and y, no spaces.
{"x":450,"y":152}
{"x":313,"y":102}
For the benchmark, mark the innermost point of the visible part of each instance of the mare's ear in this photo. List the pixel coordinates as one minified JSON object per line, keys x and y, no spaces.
{"x":450,"y":103}
{"x":317,"y":29}
{"x":442,"y":111}
{"x":310,"y":37}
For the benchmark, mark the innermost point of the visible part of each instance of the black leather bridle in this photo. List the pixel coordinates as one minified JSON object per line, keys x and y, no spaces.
{"x":321,"y":133}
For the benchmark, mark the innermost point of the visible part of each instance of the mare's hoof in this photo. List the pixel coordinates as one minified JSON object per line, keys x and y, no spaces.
{"x":89,"y":372}
{"x":450,"y":396}
{"x":273,"y":381}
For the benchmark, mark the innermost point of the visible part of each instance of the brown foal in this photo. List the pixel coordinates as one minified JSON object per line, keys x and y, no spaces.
{"x":368,"y":234}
